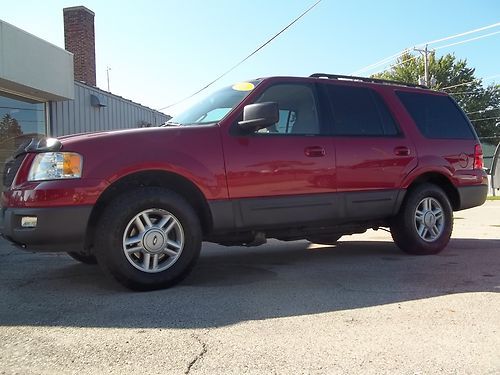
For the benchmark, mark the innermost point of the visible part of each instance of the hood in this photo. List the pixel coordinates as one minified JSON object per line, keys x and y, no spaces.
{"x":130,"y":137}
{"x":109,"y":133}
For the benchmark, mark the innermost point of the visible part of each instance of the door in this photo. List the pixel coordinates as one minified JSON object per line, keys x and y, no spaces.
{"x":373,"y":155}
{"x":284,"y":173}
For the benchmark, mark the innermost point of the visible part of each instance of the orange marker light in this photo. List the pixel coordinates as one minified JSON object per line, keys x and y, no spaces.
{"x":72,"y":164}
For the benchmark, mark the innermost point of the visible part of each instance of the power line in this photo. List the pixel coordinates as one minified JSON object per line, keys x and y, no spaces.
{"x":468,"y":40}
{"x":402,"y":62}
{"x":460,"y":84}
{"x":383,"y":61}
{"x":474,"y":80}
{"x":462,"y":34}
{"x":247,"y":57}
{"x":426,"y":43}
{"x":487,"y":90}
{"x":445,"y":46}
{"x":482,"y":111}
{"x":488,"y":118}
{"x":470,"y":93}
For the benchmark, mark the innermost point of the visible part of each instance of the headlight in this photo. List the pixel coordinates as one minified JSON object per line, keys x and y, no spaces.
{"x":55,"y":166}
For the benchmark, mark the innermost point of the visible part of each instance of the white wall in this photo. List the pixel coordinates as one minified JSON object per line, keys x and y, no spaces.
{"x":30,"y":66}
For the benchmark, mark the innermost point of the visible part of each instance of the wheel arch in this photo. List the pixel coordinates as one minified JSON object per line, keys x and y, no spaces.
{"x":157,"y":178}
{"x":441,"y":181}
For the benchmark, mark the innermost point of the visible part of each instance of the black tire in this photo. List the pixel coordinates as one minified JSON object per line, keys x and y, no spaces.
{"x":406,"y":225}
{"x":83,"y":258}
{"x":324,"y":240}
{"x":117,"y":219}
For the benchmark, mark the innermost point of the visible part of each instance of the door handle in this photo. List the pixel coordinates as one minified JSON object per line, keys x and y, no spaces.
{"x":402,"y":151}
{"x":314,"y":151}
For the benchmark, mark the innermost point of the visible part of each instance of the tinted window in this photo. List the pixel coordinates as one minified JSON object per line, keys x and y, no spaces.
{"x":436,"y":116}
{"x":297,"y":109}
{"x":388,"y":123}
{"x":359,"y":111}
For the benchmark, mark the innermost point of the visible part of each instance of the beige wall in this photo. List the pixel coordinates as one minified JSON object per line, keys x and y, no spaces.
{"x":32,"y":67}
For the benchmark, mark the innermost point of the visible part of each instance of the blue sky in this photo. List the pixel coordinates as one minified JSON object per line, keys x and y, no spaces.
{"x":162,"y":51}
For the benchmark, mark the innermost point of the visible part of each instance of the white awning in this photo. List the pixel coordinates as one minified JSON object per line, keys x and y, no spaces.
{"x":32,"y":67}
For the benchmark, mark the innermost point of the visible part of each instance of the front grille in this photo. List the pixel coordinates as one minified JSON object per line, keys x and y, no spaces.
{"x":10,"y":170}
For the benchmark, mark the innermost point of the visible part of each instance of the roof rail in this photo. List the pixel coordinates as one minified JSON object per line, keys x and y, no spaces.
{"x":365,"y":79}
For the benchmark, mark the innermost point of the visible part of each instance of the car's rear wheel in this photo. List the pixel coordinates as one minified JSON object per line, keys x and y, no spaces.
{"x":425,"y":221}
{"x":82,"y":257}
{"x":148,"y":239}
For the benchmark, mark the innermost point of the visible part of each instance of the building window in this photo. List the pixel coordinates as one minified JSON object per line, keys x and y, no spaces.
{"x":20,"y":119}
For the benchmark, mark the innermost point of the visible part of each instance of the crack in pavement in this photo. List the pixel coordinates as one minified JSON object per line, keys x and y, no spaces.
{"x":199,"y":356}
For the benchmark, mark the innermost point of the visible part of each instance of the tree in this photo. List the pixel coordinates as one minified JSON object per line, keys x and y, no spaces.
{"x":482,"y":104}
{"x":9,"y":127}
{"x":9,"y":131}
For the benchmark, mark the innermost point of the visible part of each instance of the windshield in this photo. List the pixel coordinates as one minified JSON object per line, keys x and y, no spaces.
{"x":214,"y":107}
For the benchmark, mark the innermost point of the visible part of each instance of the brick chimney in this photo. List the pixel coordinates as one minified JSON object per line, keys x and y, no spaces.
{"x":79,"y":39}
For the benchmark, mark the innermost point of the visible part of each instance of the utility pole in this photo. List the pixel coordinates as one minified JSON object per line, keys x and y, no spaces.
{"x":107,"y":76}
{"x":425,"y":52}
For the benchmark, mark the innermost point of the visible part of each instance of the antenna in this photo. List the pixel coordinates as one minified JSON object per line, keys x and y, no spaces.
{"x":107,"y":76}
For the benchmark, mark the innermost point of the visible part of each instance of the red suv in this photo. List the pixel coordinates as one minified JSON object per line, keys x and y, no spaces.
{"x":284,"y":157}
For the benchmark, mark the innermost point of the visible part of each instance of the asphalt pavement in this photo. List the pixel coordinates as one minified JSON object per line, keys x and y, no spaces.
{"x":358,"y":307}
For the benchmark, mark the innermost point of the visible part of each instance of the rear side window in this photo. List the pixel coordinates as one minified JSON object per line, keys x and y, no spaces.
{"x":436,"y":116}
{"x":359,"y":111}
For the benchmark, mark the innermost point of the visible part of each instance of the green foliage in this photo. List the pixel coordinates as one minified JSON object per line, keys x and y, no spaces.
{"x":9,"y":127}
{"x":471,"y":94}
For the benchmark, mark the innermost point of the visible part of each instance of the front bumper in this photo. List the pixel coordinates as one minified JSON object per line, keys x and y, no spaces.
{"x":57,"y":229}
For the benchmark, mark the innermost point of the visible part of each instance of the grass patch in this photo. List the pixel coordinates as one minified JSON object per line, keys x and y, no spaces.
{"x":495,"y":198}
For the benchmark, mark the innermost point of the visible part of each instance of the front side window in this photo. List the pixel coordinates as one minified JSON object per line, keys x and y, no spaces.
{"x":297,"y":110}
{"x":359,"y":111}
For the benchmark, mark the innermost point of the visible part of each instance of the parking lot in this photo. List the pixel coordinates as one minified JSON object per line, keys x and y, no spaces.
{"x":361,"y":306}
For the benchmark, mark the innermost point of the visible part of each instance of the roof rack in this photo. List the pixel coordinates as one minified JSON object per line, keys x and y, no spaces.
{"x":365,"y":79}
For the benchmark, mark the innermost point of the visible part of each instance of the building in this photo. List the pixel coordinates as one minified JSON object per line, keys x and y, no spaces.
{"x":48,"y":91}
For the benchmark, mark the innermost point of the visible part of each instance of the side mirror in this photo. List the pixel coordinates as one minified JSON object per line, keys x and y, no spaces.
{"x":259,"y":115}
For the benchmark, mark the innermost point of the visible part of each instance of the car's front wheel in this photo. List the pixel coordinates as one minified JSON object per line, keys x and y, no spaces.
{"x":148,"y":239}
{"x":425,"y":221}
